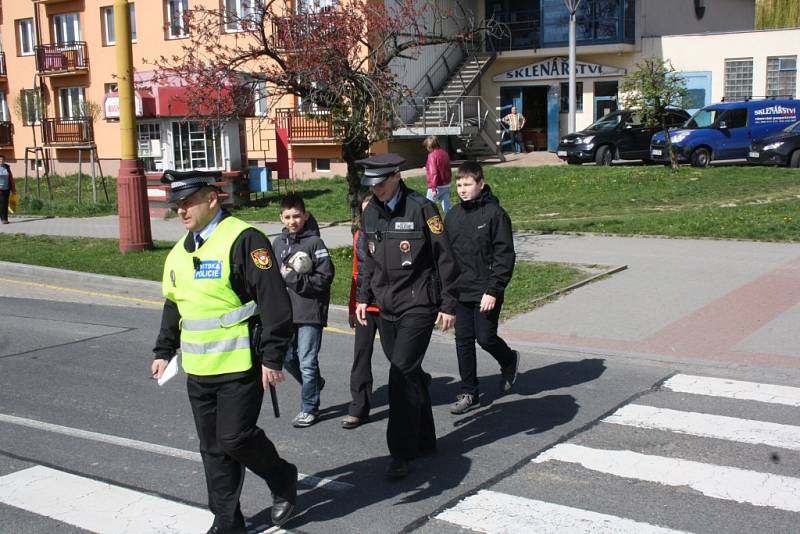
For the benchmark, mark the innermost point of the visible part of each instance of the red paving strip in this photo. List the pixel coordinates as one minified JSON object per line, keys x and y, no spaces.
{"x":711,"y":332}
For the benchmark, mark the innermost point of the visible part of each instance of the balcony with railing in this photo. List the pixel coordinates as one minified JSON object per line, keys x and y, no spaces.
{"x":71,"y":57}
{"x":3,"y":71}
{"x":290,"y":33}
{"x":67,"y":132}
{"x":308,"y":126}
{"x":6,"y":133}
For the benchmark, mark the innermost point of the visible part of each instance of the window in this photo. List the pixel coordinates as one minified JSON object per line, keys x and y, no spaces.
{"x":565,"y":97}
{"x":176,"y":18}
{"x":109,"y":33}
{"x":322,"y":165}
{"x":149,"y":146}
{"x":315,"y":6}
{"x":781,"y":76}
{"x":26,"y":39}
{"x":31,"y":104}
{"x":67,"y":28}
{"x":733,"y":118}
{"x":3,"y":107}
{"x":70,"y":102}
{"x":738,"y":79}
{"x":196,"y":146}
{"x":260,"y":104}
{"x":236,"y":12}
{"x":111,"y":87}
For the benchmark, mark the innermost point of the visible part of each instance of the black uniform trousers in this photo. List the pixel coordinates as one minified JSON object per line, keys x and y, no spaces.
{"x":361,"y":372}
{"x":225,"y":414}
{"x":472,"y":325}
{"x":410,"y":431}
{"x":5,"y":194}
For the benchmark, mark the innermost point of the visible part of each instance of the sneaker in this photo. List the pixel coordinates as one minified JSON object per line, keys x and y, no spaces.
{"x":303,"y":420}
{"x":465,"y":403}
{"x":509,"y":374}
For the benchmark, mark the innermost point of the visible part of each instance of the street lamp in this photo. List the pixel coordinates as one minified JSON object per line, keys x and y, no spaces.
{"x":572,"y":8}
{"x":134,"y":216}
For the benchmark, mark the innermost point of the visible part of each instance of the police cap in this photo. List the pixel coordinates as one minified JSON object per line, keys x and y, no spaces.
{"x":379,"y":167}
{"x":182,"y":184}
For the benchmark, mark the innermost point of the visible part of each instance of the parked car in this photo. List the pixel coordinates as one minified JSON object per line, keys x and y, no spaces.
{"x":782,"y":148}
{"x":618,"y":135}
{"x":724,"y":131}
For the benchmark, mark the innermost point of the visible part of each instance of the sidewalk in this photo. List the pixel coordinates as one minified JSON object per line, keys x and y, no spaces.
{"x":719,"y":303}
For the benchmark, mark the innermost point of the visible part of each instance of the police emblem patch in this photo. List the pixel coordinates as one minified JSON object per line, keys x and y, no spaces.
{"x":405,"y":246}
{"x":435,"y":224}
{"x":371,"y":247}
{"x":261,"y":258}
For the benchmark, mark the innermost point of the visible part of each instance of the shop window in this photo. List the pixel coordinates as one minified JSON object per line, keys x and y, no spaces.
{"x":31,"y":106}
{"x":322,"y":165}
{"x":107,"y":20}
{"x":578,"y":97}
{"x":196,"y":146}
{"x":781,"y":76}
{"x":148,"y":141}
{"x":176,"y":18}
{"x":26,"y":38}
{"x":738,"y":79}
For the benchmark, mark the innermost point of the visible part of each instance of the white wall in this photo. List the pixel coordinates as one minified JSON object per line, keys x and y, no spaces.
{"x":672,"y":17}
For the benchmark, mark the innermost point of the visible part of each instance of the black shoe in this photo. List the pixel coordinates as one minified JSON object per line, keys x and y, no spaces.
{"x":509,"y":374}
{"x":283,"y":505}
{"x":352,"y":421}
{"x":398,"y":468}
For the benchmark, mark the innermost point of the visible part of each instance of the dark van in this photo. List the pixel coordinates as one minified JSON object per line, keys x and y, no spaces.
{"x":618,"y":135}
{"x":724,"y":131}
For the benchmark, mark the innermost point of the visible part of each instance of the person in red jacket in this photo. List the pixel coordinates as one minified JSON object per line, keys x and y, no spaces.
{"x":7,"y":188}
{"x":361,"y":372}
{"x":437,"y":173}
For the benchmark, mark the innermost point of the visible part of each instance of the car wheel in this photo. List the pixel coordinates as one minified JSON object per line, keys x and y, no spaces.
{"x":794,"y":161}
{"x":604,"y":156}
{"x":701,"y":157}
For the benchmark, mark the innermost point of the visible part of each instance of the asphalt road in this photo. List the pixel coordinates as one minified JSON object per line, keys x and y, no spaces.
{"x":78,"y":410}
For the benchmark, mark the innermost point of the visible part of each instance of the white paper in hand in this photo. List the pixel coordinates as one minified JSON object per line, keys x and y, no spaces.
{"x":170,"y":371}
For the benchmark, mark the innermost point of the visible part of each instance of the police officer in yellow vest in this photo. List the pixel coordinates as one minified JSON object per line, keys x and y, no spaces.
{"x":228,"y":311}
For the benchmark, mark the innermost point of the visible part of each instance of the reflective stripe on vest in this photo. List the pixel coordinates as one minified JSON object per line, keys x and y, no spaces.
{"x":215,"y":336}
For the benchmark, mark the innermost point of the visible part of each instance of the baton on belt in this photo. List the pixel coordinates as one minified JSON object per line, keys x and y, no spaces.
{"x":273,"y":395}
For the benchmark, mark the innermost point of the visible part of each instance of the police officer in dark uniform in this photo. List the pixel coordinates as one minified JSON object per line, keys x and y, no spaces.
{"x":217,"y":280}
{"x":410,"y":273}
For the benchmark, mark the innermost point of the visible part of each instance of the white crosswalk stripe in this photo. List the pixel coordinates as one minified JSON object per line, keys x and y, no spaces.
{"x":647,"y":426}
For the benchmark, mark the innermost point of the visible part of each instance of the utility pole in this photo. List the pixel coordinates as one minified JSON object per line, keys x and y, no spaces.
{"x":134,"y":216}
{"x":572,"y":8}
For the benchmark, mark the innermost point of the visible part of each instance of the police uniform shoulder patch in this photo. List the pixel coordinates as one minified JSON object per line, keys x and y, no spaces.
{"x":435,"y":224}
{"x":261,"y":258}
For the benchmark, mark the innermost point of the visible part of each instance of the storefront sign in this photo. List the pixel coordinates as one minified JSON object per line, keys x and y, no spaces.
{"x":112,"y":106}
{"x":557,"y":68}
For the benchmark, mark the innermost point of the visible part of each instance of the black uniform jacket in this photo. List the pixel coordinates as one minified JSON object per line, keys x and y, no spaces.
{"x":249,"y":282}
{"x":409,"y":266}
{"x":310,"y":293}
{"x":482,"y":241}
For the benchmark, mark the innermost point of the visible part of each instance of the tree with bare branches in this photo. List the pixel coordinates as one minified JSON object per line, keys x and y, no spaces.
{"x":336,"y":58}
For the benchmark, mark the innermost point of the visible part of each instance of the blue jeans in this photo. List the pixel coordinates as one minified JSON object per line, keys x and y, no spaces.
{"x":303,"y":364}
{"x":443,"y":191}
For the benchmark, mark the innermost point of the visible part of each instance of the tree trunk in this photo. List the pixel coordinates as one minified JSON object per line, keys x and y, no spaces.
{"x":354,"y":148}
{"x":673,"y":160}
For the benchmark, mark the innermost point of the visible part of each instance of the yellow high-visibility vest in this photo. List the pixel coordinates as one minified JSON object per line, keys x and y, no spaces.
{"x":215,"y":338}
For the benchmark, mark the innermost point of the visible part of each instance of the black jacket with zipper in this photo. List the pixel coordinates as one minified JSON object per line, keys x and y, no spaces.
{"x":480,"y":234}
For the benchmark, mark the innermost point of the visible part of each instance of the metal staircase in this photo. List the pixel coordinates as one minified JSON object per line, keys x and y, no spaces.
{"x":452,"y":107}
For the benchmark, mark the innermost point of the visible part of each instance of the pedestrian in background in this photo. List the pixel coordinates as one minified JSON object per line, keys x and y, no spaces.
{"x":308,"y":271}
{"x":227,"y":309}
{"x":410,"y":273}
{"x":7,"y":188}
{"x":437,"y":173}
{"x":515,"y":122}
{"x":361,"y":371}
{"x":483,"y":244}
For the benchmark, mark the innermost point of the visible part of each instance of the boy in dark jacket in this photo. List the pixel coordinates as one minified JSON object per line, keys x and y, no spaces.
{"x":480,"y":234}
{"x":308,"y":271}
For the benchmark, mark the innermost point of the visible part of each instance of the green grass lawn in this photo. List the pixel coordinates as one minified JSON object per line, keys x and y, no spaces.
{"x":531,"y":280}
{"x":64,"y":201}
{"x":760,"y":203}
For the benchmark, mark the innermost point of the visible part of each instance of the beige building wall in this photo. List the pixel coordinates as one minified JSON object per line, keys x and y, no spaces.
{"x":671,"y":17}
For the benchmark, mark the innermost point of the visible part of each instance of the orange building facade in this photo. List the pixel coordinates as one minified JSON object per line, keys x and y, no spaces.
{"x":59,"y":106}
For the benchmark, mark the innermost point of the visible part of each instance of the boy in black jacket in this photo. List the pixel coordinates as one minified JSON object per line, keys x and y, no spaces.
{"x":480,"y":234}
{"x":308,"y":272}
